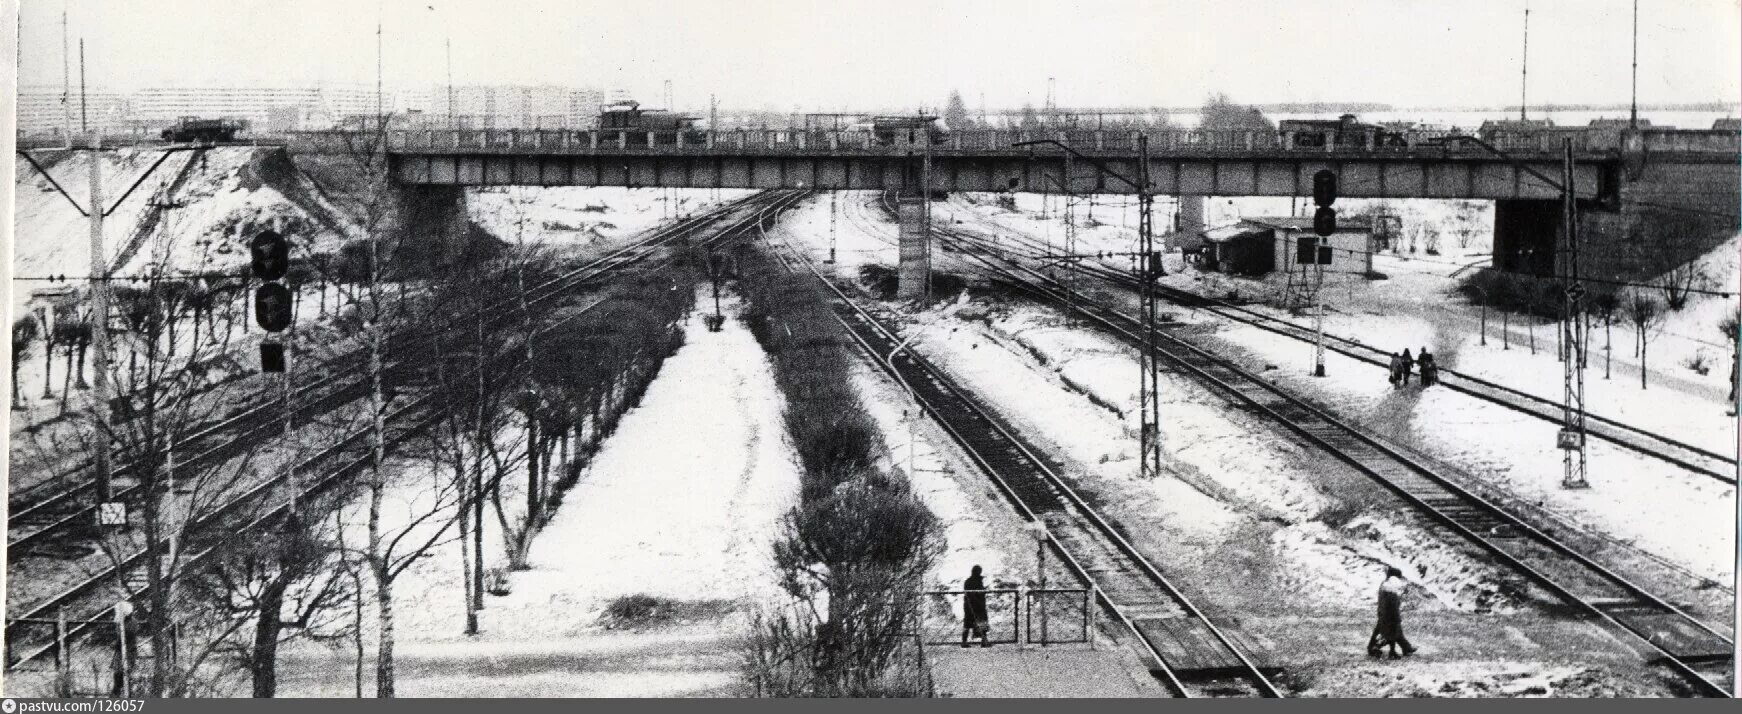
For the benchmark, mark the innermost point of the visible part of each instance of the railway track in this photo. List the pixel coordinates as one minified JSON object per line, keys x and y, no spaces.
{"x":29,"y":636}
{"x":1193,"y":655}
{"x":1696,"y":459}
{"x":1700,"y":653}
{"x":37,"y":521}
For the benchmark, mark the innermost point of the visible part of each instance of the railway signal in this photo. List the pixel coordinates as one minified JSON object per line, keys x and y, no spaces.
{"x":1324,"y":194}
{"x":1324,"y":224}
{"x":269,"y":255}
{"x":269,"y":260}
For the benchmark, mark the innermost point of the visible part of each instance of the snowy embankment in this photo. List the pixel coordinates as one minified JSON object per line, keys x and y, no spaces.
{"x":681,"y":503}
{"x":571,"y":218}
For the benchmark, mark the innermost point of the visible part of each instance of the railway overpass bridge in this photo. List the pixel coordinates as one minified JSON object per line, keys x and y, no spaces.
{"x":1618,"y":175}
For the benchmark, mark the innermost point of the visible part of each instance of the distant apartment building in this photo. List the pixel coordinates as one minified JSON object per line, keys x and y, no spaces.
{"x":264,"y":108}
{"x":42,"y":112}
{"x":505,"y":107}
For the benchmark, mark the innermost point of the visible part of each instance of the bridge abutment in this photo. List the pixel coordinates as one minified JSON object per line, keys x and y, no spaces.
{"x":425,"y":225}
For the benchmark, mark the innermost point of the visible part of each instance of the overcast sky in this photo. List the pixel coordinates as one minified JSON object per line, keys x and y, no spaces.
{"x":899,"y":53}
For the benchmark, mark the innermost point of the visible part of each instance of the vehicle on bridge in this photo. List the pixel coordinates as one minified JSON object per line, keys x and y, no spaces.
{"x":1344,"y":131}
{"x":204,"y":130}
{"x":892,"y":130}
{"x":636,"y":123}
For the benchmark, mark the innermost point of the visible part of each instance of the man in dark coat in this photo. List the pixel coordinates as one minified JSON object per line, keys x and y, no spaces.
{"x":975,"y":619}
{"x":1430,"y":372}
{"x":1389,"y":630}
{"x":1403,"y":367}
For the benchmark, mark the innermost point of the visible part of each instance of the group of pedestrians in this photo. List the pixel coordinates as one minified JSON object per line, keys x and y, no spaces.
{"x":1387,"y":632}
{"x":1403,"y":365}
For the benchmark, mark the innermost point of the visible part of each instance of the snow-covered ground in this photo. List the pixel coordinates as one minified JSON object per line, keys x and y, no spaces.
{"x":1241,"y":504}
{"x":1414,"y":309}
{"x":573,"y":217}
{"x":682,"y":502}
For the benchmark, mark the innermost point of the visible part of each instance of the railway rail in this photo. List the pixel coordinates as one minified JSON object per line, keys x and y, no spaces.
{"x":1700,"y":653}
{"x":40,"y":518}
{"x":92,"y":599}
{"x":1193,"y":654}
{"x":1696,"y":459}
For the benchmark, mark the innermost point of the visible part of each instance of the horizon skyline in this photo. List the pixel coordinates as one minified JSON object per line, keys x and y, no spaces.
{"x":1580,"y":54}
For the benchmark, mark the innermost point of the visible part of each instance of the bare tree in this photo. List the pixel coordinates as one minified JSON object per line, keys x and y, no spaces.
{"x":25,"y":330}
{"x":1644,"y":312}
{"x":1672,"y":248}
{"x":1607,"y":305}
{"x":275,"y":590}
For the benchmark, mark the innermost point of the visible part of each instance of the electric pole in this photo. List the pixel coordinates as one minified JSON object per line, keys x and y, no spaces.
{"x":84,"y":117}
{"x":1572,"y":436}
{"x":66,"y":78}
{"x":1524,"y":65}
{"x":1149,"y":392}
{"x":99,"y":290}
{"x":1633,"y":108}
{"x":452,"y":121}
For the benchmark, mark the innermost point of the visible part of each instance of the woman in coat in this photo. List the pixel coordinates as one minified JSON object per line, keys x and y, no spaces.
{"x":1388,"y":632}
{"x":975,"y":619}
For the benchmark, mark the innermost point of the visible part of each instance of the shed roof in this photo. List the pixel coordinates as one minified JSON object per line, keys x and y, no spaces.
{"x":1350,"y":224}
{"x":1233,"y":232}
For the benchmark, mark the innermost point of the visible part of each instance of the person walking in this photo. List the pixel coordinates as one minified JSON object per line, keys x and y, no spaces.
{"x":1396,"y":367}
{"x":1407,"y":362}
{"x":1430,"y":372}
{"x":1388,"y":631}
{"x":975,"y":619}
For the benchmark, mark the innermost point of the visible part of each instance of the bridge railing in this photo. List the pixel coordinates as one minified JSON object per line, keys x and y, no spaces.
{"x":1086,"y":141}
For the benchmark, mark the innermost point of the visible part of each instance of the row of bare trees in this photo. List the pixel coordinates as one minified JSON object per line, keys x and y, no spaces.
{"x":247,"y":552}
{"x":854,"y":551}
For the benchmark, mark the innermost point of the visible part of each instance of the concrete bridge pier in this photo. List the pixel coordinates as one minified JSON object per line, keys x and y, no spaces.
{"x":1189,"y":221}
{"x":915,"y":258}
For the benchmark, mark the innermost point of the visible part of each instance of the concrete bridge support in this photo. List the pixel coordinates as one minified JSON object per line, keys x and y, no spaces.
{"x":1190,"y":221}
{"x":915,"y":257}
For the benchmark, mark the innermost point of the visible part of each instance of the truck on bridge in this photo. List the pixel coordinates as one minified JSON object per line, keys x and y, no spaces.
{"x":205,"y":130}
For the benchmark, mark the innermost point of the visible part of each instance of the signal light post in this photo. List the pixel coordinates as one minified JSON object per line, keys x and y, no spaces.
{"x":1324,"y":224}
{"x":269,"y":261}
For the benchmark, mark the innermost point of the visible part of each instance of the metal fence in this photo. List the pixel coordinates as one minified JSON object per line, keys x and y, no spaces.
{"x":1015,"y":615}
{"x":1058,"y":615}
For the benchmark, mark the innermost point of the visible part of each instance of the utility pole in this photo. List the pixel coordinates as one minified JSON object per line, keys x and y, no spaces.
{"x":925,"y":201}
{"x":1572,"y":436}
{"x":99,"y":323}
{"x":1633,"y":108}
{"x":452,"y":121}
{"x":84,"y":117}
{"x":713,"y":114}
{"x":66,"y":77}
{"x":1524,"y":65}
{"x":1149,"y":392}
{"x":668,"y":104}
